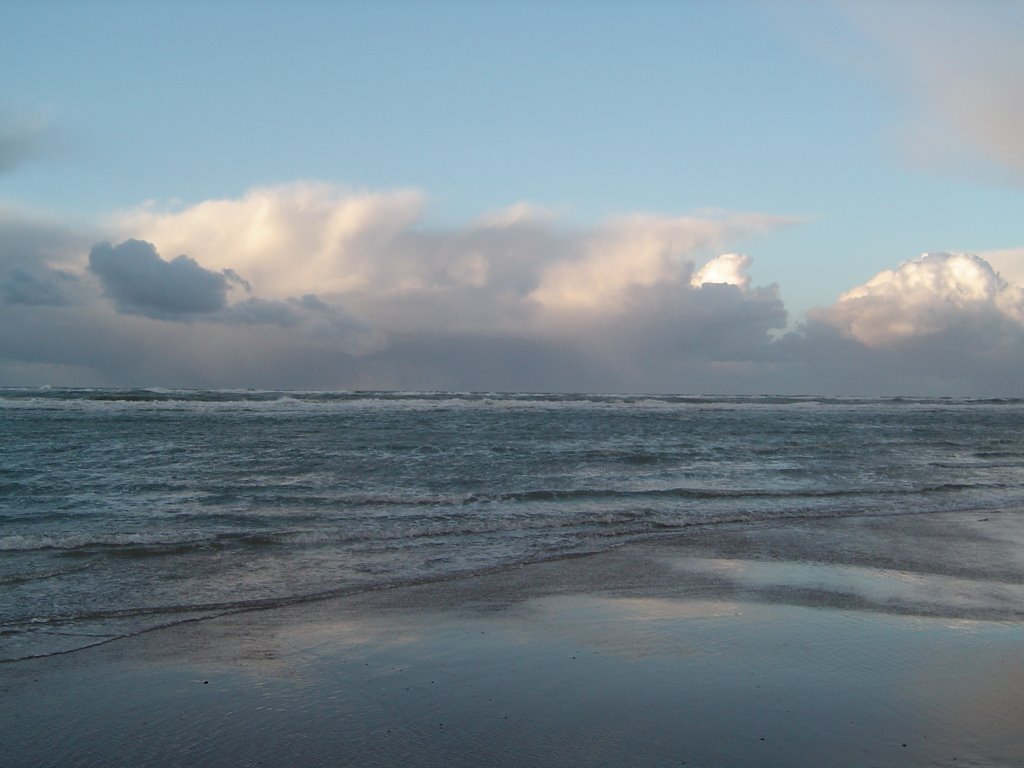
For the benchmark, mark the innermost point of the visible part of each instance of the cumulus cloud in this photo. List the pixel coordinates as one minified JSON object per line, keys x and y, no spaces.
{"x":360,"y":275}
{"x":941,"y":324}
{"x":513,"y":269}
{"x":637,"y":252}
{"x":1008,"y":262}
{"x":140,"y":282}
{"x":936,"y":293}
{"x":357,"y":292}
{"x":290,"y":240}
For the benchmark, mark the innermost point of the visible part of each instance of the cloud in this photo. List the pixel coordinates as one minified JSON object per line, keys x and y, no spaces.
{"x":37,"y":259}
{"x":637,"y":252}
{"x":140,"y":282}
{"x":309,"y":318}
{"x":357,"y":292}
{"x":38,"y":286}
{"x":727,"y":269}
{"x":357,"y":278}
{"x":513,"y":270}
{"x":93,"y":345}
{"x":1008,"y":262}
{"x":961,"y":63}
{"x":290,"y":240}
{"x":941,"y":324}
{"x":937,"y":293}
{"x":29,"y":237}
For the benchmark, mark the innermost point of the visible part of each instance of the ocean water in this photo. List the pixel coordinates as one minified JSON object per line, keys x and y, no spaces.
{"x":124,"y":510}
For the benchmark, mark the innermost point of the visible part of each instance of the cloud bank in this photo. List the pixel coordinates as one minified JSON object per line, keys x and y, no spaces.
{"x":313,"y":286}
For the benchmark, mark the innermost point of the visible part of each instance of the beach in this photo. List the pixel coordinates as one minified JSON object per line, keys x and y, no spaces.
{"x":512,"y":385}
{"x":864,"y":641}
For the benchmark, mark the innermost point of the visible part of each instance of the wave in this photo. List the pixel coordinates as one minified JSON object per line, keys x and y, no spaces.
{"x":24,"y":578}
{"x":584,"y":494}
{"x":131,"y":544}
{"x":342,"y":521}
{"x":255,"y":399}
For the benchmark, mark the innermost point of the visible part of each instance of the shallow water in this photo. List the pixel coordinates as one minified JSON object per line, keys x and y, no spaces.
{"x":126,"y":509}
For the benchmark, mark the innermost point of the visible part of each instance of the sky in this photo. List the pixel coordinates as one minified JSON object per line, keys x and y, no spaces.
{"x":732,"y":197}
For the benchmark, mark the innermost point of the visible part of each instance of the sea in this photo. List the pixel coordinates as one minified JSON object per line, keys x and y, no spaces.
{"x":124,"y":510}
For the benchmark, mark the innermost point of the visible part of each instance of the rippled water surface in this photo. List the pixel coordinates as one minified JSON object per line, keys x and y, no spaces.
{"x":125,"y":509}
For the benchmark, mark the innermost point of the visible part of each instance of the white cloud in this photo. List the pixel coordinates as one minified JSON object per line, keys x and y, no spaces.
{"x":288,"y":240}
{"x":511,"y":271}
{"x":353,"y":290}
{"x":643,"y":252}
{"x":936,"y":293}
{"x":296,"y":274}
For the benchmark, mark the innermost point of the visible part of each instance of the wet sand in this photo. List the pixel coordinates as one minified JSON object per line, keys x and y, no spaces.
{"x":861,"y":642}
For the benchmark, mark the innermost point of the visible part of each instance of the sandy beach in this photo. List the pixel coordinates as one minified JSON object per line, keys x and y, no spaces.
{"x":868,"y":641}
{"x":512,"y":384}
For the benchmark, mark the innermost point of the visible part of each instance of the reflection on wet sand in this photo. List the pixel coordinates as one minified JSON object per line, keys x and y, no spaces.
{"x":700,"y":652}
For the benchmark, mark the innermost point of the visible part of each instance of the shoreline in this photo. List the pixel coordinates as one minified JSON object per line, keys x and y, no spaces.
{"x":716,"y":539}
{"x":816,"y":642}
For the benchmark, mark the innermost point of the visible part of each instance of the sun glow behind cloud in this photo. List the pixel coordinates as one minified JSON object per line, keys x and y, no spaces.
{"x":727,"y":269}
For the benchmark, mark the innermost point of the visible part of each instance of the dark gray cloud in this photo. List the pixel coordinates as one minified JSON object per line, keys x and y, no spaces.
{"x":967,"y":359}
{"x":30,"y":239}
{"x":311,"y":302}
{"x":51,"y":287}
{"x":255,"y":311}
{"x":715,"y":322}
{"x":93,"y":345}
{"x":36,"y":256}
{"x":496,"y":363}
{"x":309,"y":319}
{"x":139,"y":282}
{"x":287,"y":313}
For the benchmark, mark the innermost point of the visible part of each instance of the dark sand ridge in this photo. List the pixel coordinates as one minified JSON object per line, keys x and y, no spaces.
{"x":885,"y":641}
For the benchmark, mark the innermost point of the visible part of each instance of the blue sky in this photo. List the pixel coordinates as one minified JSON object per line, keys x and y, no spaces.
{"x":862,"y":135}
